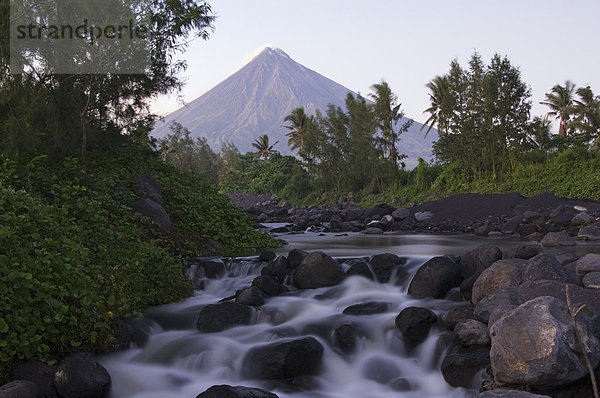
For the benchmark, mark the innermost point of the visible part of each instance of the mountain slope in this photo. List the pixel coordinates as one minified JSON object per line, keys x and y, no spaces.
{"x":255,"y":100}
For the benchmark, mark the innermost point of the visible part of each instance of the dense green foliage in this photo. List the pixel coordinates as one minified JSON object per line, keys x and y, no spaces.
{"x":75,"y":255}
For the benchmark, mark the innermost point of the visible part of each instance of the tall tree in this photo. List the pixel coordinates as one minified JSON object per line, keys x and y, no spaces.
{"x":388,"y":112}
{"x":560,"y":102}
{"x":586,"y":114}
{"x":440,"y":111}
{"x":298,"y":126}
{"x":263,"y":148}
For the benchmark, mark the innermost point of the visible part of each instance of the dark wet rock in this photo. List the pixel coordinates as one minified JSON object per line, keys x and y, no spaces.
{"x":414,"y":323}
{"x":268,"y":286}
{"x":422,"y":216}
{"x":279,"y":269}
{"x":471,"y":333}
{"x":499,"y":313}
{"x":250,"y":296}
{"x":147,"y":186}
{"x":153,"y":211}
{"x":592,"y":280}
{"x":375,"y":213}
{"x":581,"y":219}
{"x":546,"y":267}
{"x":455,"y":316}
{"x":588,"y":263}
{"x":501,"y":274}
{"x":20,"y":389}
{"x":525,"y":252}
{"x":535,"y":345}
{"x":359,"y":267}
{"x":400,"y":384}
{"x":368,"y":308}
{"x":132,"y":331}
{"x":318,"y":270}
{"x":80,"y":375}
{"x":225,"y":391}
{"x":459,"y":368}
{"x":380,"y":370}
{"x":373,"y":231}
{"x":435,"y":278}
{"x":509,"y":394}
{"x":466,"y":287}
{"x":506,"y":297}
{"x":266,"y":256}
{"x":200,"y":268}
{"x":553,"y":239}
{"x":284,"y":360}
{"x":562,"y":256}
{"x":478,"y":259}
{"x":511,"y":226}
{"x":346,"y":337}
{"x":384,"y":265}
{"x":527,"y":229}
{"x":401,"y":213}
{"x":590,"y":232}
{"x":41,"y":374}
{"x":217,"y":317}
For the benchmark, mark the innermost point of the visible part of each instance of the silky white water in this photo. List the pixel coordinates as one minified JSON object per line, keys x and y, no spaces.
{"x":180,"y":362}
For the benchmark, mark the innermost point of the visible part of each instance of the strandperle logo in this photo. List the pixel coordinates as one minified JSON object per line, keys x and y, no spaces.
{"x":80,"y":36}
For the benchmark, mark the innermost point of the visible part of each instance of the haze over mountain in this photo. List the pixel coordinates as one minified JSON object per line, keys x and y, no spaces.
{"x":255,"y":100}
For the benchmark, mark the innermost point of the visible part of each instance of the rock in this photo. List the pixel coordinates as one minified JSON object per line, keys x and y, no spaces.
{"x":387,"y":220}
{"x":147,"y":186}
{"x":380,"y":370}
{"x":581,"y":219}
{"x":400,"y":384}
{"x":20,"y":389}
{"x":80,"y":375}
{"x":546,"y":267}
{"x":225,"y":391}
{"x":200,"y":268}
{"x":421,"y":216}
{"x":153,"y":211}
{"x":500,"y":274}
{"x":384,"y":265}
{"x":375,"y":213}
{"x":435,"y":278}
{"x":471,"y":333}
{"x":218,"y":317}
{"x":345,"y":337}
{"x":509,"y":394}
{"x":525,"y":252}
{"x":373,"y":231}
{"x":459,"y":368}
{"x":268,"y":286}
{"x":401,"y":213}
{"x":284,"y":360}
{"x":318,"y":270}
{"x":588,"y":263}
{"x":40,"y":374}
{"x":368,"y":308}
{"x":414,"y":323}
{"x":131,"y":331}
{"x":456,"y":316}
{"x":511,"y":226}
{"x":506,"y":297}
{"x":562,"y":256}
{"x":534,"y":345}
{"x":266,"y":256}
{"x":592,"y":280}
{"x":557,"y":239}
{"x":562,"y":215}
{"x":466,"y":287}
{"x":590,"y":232}
{"x":499,"y":313}
{"x":250,"y":296}
{"x":279,"y":269}
{"x":479,"y":259}
{"x":359,"y":267}
{"x":527,"y":229}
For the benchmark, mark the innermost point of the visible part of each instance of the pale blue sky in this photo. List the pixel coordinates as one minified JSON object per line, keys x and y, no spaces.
{"x":406,"y":42}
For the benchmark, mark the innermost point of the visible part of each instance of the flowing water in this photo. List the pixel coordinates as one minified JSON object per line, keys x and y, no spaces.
{"x":180,"y":362}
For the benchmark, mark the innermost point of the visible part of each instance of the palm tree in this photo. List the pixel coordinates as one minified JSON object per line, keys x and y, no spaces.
{"x":560,"y":101}
{"x":441,"y":106}
{"x":587,"y":113}
{"x":264,"y":150}
{"x":298,"y":126}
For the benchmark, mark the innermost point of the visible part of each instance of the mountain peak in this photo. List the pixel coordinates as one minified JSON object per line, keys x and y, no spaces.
{"x":269,"y":49}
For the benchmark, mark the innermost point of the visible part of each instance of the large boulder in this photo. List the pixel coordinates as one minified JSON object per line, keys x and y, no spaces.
{"x":435,"y":278}
{"x":546,"y":267}
{"x":268,"y":286}
{"x":400,"y":213}
{"x":588,"y":263}
{"x":250,"y":296}
{"x":147,"y":186}
{"x":505,"y":298}
{"x":81,"y":376}
{"x":359,"y":268}
{"x":535,"y":345}
{"x":459,"y":368}
{"x":471,"y":333}
{"x":345,"y":337}
{"x":368,"y":308}
{"x":218,"y":317}
{"x":478,"y":259}
{"x":455,"y":316}
{"x":225,"y":391}
{"x":557,"y":239}
{"x":501,"y":274}
{"x":284,"y":360}
{"x":590,"y":232}
{"x":318,"y":270}
{"x":384,"y":265}
{"x":414,"y":323}
{"x":153,"y":211}
{"x":41,"y":374}
{"x":20,"y":389}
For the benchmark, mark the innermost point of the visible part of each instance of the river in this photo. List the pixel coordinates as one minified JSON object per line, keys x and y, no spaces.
{"x":180,"y":362}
